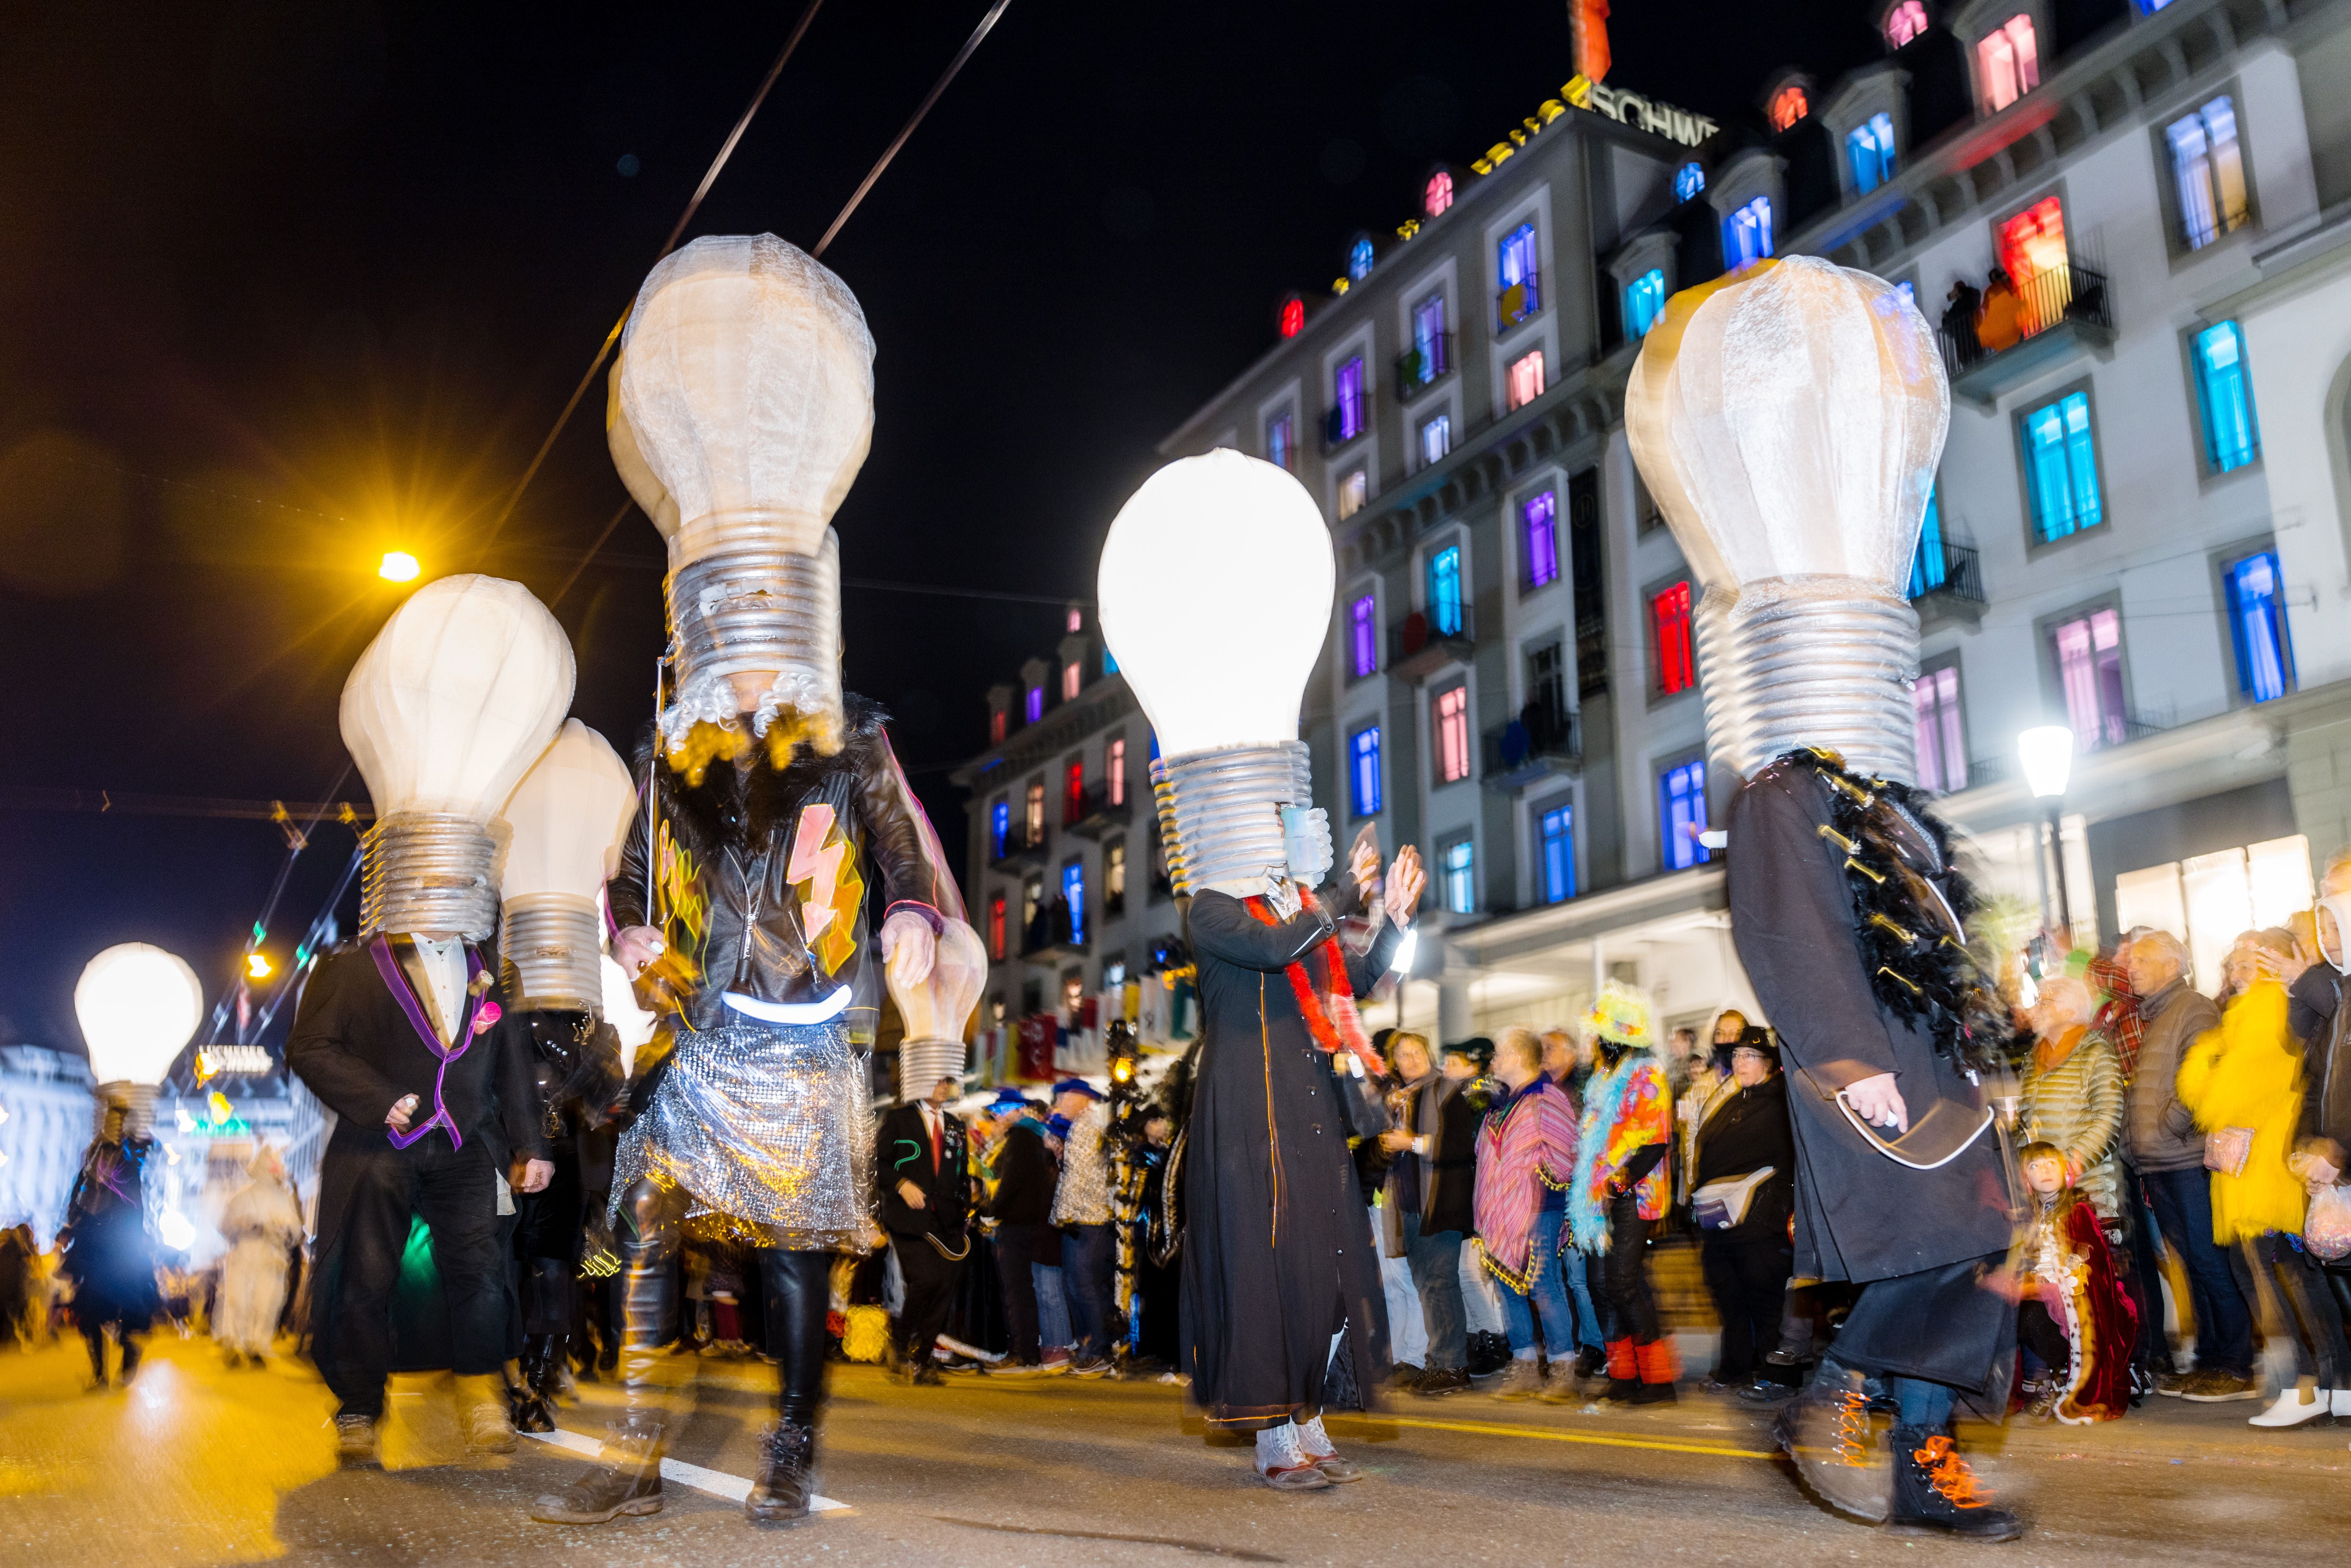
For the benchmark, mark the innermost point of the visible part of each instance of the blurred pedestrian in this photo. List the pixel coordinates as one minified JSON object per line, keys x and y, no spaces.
{"x":2075,"y":1322}
{"x":258,"y":1224}
{"x":1081,"y":1124}
{"x":17,"y":1253}
{"x":1021,"y":1179}
{"x":1743,"y":1191}
{"x":107,"y":1254}
{"x":2000,"y":320}
{"x":2071,"y":1094}
{"x":1622,"y":1185}
{"x":923,"y":1172}
{"x":1525,"y":1161}
{"x":1709,"y":1085}
{"x":1429,"y":1204}
{"x":1959,"y":307}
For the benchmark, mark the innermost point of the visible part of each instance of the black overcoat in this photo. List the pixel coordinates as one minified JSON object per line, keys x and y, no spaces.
{"x":1860,"y":1215}
{"x":1278,"y":1248}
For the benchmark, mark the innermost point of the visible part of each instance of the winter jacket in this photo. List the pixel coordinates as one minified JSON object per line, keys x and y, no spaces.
{"x":1083,"y":1196}
{"x":1748,"y":1131}
{"x":2247,"y":1074}
{"x":1025,"y":1176}
{"x":2077,"y":1105}
{"x":2322,"y":1024}
{"x":1447,"y":1174}
{"x":2161,"y":1134}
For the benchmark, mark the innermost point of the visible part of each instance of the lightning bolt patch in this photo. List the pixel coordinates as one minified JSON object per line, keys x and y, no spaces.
{"x":823,"y":866}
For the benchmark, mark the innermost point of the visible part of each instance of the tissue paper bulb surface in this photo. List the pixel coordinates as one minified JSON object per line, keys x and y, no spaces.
{"x":138,"y":1007}
{"x":567,"y":815}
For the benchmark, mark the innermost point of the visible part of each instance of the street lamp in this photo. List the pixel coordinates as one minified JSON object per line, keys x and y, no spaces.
{"x":2047,"y":755}
{"x":399,"y":566}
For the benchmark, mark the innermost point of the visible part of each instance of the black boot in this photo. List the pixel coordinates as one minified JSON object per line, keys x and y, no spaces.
{"x":786,"y":1471}
{"x":130,"y":1352}
{"x":1831,"y":1436}
{"x":1935,"y":1492}
{"x":629,"y":1481}
{"x":527,"y":1408}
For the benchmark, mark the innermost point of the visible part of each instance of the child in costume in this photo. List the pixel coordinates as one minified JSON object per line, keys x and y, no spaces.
{"x":2075,"y":1325}
{"x":1622,"y":1184}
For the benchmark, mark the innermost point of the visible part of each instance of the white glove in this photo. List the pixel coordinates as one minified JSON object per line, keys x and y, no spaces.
{"x":1306,"y":844}
{"x":909,"y":946}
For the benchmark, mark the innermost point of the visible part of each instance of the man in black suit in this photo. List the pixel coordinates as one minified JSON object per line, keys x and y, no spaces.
{"x":400,"y":1035}
{"x":922,"y":1169}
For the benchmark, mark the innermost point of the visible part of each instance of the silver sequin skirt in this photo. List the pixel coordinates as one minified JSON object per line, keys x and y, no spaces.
{"x":766,"y":1124}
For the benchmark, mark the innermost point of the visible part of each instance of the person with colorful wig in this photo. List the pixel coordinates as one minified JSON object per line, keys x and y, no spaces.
{"x":1622,"y":1184}
{"x":1526,"y":1158}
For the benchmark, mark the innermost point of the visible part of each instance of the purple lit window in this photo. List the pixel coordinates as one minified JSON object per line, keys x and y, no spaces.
{"x":1364,"y":632}
{"x":1036,"y":703}
{"x":1540,"y":526}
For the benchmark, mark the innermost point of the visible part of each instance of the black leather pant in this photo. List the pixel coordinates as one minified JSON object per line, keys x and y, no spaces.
{"x":651,"y":1227}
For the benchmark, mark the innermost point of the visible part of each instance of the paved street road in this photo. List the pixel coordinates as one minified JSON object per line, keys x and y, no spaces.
{"x":196,"y":1465}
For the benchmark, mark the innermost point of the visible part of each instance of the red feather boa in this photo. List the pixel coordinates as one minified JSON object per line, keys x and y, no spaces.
{"x":1336,"y":1026}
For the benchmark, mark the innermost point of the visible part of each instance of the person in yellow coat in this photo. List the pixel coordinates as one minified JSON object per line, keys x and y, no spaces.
{"x":2243,"y":1083}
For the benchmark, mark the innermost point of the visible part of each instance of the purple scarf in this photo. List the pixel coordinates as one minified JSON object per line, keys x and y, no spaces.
{"x":395,"y":980}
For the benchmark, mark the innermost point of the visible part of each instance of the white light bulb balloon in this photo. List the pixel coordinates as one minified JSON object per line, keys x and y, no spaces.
{"x":633,"y":1023}
{"x":138,"y":1005}
{"x":935,"y":1008}
{"x":1215,"y":586}
{"x":567,"y":818}
{"x":458,"y":693}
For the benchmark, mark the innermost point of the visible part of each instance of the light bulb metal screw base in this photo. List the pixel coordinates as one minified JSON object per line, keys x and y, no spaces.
{"x":548,"y":946}
{"x":1823,"y":661}
{"x":135,"y":1101}
{"x":758,"y":609}
{"x":429,"y":871}
{"x":923,"y":1062}
{"x":1220,"y":811}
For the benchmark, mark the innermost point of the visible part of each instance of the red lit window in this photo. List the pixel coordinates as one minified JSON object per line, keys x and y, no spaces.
{"x":1905,"y":22}
{"x":2033,"y":242}
{"x":1293,"y":316}
{"x":996,"y":728}
{"x":1669,"y":616}
{"x":1453,"y":734}
{"x":1117,"y":770}
{"x":996,"y":928}
{"x":1787,"y":106}
{"x":1074,"y":793}
{"x":1437,"y":194}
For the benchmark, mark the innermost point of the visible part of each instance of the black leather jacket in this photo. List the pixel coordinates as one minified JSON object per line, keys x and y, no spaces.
{"x":745,"y":905}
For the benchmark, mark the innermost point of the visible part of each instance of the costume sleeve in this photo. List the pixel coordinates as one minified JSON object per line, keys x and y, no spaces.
{"x":1364,"y":968}
{"x":1791,"y":920}
{"x":318,"y":1049}
{"x":1224,"y":930}
{"x":624,"y":895}
{"x":898,"y":837}
{"x":519,"y":1112}
{"x":2198,"y":1065}
{"x":2312,"y":1003}
{"x":2201,"y":1020}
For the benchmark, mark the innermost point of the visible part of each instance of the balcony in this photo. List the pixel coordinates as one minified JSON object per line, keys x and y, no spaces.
{"x":1345,"y":424}
{"x":1946,"y":584}
{"x":1420,"y":644}
{"x":1521,"y":302}
{"x":1095,"y":814}
{"x":2059,"y":313}
{"x":1021,"y":850}
{"x":1047,"y":939}
{"x":1543,"y":742}
{"x":1422,"y":366}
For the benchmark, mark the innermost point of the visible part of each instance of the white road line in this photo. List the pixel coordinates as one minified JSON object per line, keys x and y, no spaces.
{"x":718,"y":1483}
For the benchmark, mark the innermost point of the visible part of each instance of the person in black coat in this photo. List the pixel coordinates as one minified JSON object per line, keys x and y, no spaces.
{"x":1743,"y":1193}
{"x":922,"y":1174}
{"x":1022,"y":1205}
{"x":107,"y":1252}
{"x":1431,"y":1189}
{"x":403,"y":1038}
{"x":1277,"y":1251}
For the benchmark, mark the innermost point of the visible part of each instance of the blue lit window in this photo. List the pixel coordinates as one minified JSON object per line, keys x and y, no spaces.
{"x":1445,"y":591}
{"x":1363,"y":777}
{"x":1645,"y":301}
{"x":2257,"y":623}
{"x":1358,"y":259}
{"x":1073,"y":891}
{"x":1460,"y":870}
{"x":1869,"y":147}
{"x":1689,"y":180}
{"x":2231,"y":439}
{"x":1110,"y":661}
{"x":1558,"y":831}
{"x":1747,"y":234}
{"x":2207,"y":173}
{"x":1436,"y":439}
{"x":999,"y":826}
{"x":1518,"y":262}
{"x":1681,"y":814}
{"x":2061,"y":468}
{"x":1348,"y":419}
{"x":1282,"y":440}
{"x":1927,"y":567}
{"x":1036,"y":706}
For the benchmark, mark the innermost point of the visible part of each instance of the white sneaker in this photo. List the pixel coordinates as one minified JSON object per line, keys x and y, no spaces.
{"x":2294,"y":1408}
{"x":2340,"y":1402}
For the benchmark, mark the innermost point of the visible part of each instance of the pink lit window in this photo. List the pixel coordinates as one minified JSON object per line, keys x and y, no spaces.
{"x":1787,"y":106}
{"x":1117,"y":771}
{"x":1072,"y":678}
{"x":1453,"y":734}
{"x":1942,"y":743}
{"x":2090,"y":668}
{"x":1525,"y":381}
{"x":1905,"y":22}
{"x":2008,"y":66}
{"x":1437,"y":194}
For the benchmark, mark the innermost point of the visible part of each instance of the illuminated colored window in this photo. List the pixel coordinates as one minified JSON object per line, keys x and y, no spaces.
{"x":1353,"y":491}
{"x":1036,"y":703}
{"x":1036,"y":813}
{"x":1557,"y":830}
{"x":1074,"y":792}
{"x":1869,"y":147}
{"x":1788,"y":104}
{"x":2007,"y":64}
{"x":1282,"y":440}
{"x":1461,"y":873}
{"x":1293,"y":316}
{"x":1359,"y":259}
{"x":1428,"y":344}
{"x":1000,"y":827}
{"x":2232,"y":440}
{"x":2031,"y":244}
{"x":996,"y":928}
{"x":1453,"y":734}
{"x":1928,"y":566}
{"x":1524,"y":382}
{"x":995,"y":724}
{"x":2257,"y":624}
{"x":1681,"y":814}
{"x":1942,"y":741}
{"x":1364,"y":637}
{"x":1669,"y":619}
{"x":1437,"y":194}
{"x":1347,"y":418}
{"x":1689,"y":180}
{"x":1363,"y":770}
{"x":2060,"y":466}
{"x":2207,"y":170}
{"x":1074,"y":680}
{"x":1445,"y":591}
{"x":2090,"y":670}
{"x":1645,"y":301}
{"x":1747,"y":234}
{"x":1435,"y":438}
{"x":1517,"y":263}
{"x":1539,"y":538}
{"x":1115,"y":877}
{"x":1073,"y":892}
{"x":1110,"y":661}
{"x":1114,"y":765}
{"x":1905,"y":22}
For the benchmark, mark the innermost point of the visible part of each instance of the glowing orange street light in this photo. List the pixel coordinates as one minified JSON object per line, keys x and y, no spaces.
{"x":399,"y":566}
{"x":256,"y":965}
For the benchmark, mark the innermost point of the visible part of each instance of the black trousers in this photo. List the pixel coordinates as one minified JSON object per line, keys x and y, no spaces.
{"x":2039,"y":1335}
{"x":1015,"y":1246}
{"x":456,"y":1192}
{"x":1939,"y":1326}
{"x":930,"y":1279}
{"x":1748,"y":1278}
{"x":1625,"y":1275}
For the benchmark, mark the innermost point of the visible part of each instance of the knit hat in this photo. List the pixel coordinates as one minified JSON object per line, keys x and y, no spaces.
{"x":1621,"y":1013}
{"x":1076,"y":1086}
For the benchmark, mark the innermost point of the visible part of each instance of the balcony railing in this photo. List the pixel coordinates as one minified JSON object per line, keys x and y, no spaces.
{"x":1094,"y":813}
{"x":1423,"y":365}
{"x":1427,"y":640}
{"x":1049,"y":934}
{"x":1980,"y":359}
{"x":1337,"y":428}
{"x":1948,"y":573}
{"x":1542,"y":741}
{"x":1521,"y":301}
{"x":1021,"y":848}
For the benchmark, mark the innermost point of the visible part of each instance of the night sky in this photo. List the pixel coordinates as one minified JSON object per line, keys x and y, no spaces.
{"x":287,"y":283}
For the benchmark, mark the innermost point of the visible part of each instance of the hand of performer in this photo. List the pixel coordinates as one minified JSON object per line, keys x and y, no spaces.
{"x":1395,"y":1140}
{"x":636,"y":947}
{"x":1406,"y":879}
{"x":401,"y":1110}
{"x":1878,"y":1102}
{"x":912,"y":1194}
{"x":909,"y":946}
{"x":1363,"y":865}
{"x":537,"y":1174}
